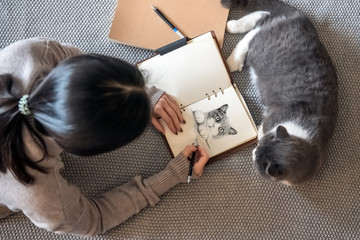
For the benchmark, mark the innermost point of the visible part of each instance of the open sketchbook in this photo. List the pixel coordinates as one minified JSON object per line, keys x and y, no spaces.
{"x":197,"y":76}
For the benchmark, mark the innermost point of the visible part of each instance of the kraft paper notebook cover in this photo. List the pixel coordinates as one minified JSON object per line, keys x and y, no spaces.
{"x":136,"y":24}
{"x":197,"y":76}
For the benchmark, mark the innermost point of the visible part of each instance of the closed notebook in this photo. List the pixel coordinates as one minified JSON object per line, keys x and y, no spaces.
{"x":136,"y":24}
{"x":197,"y":76}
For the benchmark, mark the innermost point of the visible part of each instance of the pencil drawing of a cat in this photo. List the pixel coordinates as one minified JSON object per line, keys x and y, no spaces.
{"x":297,"y":85}
{"x":213,"y":124}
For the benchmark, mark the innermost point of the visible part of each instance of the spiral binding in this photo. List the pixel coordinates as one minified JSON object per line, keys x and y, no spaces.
{"x":215,"y":93}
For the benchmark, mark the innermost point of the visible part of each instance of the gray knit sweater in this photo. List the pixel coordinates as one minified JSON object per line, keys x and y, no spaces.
{"x":51,"y":202}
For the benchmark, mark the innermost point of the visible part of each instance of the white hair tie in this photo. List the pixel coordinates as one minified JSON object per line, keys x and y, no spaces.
{"x":23,"y":105}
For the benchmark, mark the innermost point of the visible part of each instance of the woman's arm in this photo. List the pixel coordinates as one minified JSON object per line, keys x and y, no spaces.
{"x":56,"y":205}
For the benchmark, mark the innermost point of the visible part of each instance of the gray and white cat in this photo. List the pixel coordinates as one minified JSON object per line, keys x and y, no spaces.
{"x":297,"y":84}
{"x":213,"y":124}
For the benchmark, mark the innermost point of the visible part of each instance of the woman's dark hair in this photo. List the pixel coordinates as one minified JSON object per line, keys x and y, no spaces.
{"x":89,"y":104}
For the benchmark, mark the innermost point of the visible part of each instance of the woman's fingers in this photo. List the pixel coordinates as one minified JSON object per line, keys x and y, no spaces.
{"x":167,"y":109}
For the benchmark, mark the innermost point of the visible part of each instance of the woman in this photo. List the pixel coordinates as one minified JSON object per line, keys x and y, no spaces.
{"x":54,"y":99}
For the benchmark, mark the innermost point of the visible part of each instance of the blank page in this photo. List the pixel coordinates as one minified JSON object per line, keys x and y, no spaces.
{"x":189,"y":72}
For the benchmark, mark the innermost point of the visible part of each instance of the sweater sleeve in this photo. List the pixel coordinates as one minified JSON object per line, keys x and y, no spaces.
{"x":60,"y":207}
{"x":154,"y":95}
{"x":96,"y":215}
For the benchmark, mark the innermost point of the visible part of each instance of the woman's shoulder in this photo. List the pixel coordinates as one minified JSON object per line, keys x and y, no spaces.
{"x":35,"y":49}
{"x":27,"y":54}
{"x":30,"y":59}
{"x":24,"y":46}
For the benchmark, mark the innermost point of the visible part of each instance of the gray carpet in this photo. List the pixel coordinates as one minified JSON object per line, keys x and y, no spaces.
{"x":230,"y":201}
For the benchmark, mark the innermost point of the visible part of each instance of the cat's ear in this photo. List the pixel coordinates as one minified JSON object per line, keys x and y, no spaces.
{"x":232,"y":131}
{"x":281,"y":133}
{"x":224,"y":107}
{"x":274,"y":170}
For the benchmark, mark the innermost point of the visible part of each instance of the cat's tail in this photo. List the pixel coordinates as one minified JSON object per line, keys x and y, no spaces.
{"x":275,"y":7}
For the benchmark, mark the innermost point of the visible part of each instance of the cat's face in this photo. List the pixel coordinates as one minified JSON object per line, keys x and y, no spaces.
{"x":218,"y":123}
{"x":286,"y":159}
{"x":213,"y":124}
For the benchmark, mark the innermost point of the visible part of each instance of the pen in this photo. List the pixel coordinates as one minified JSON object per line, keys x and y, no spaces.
{"x":192,"y":161}
{"x":167,"y":21}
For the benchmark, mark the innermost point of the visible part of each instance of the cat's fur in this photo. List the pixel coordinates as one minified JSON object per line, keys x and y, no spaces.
{"x":213,"y":124}
{"x":297,"y":84}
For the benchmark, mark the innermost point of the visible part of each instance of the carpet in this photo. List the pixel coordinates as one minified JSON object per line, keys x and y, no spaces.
{"x":230,"y":201}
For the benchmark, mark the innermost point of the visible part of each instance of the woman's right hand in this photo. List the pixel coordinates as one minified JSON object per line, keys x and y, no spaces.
{"x":200,"y":160}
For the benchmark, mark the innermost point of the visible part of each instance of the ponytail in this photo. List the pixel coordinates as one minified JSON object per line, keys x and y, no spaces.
{"x":12,"y":149}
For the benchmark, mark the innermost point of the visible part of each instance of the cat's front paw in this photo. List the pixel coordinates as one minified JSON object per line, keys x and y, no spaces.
{"x":199,"y":117}
{"x":232,"y":26}
{"x":234,"y":64}
{"x":203,"y":132}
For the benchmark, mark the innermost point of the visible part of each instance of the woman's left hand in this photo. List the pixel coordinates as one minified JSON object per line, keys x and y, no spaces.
{"x":168,"y":109}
